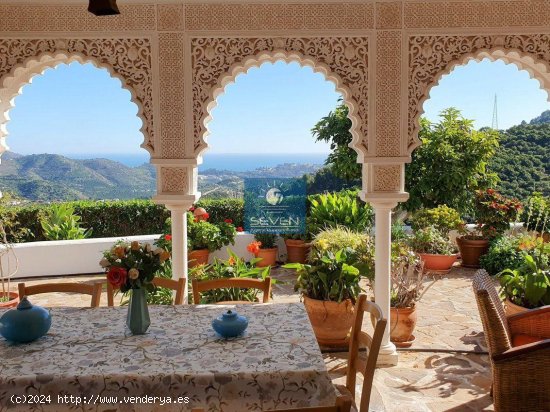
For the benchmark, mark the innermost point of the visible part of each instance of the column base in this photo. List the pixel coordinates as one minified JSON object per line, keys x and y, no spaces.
{"x":387,"y":356}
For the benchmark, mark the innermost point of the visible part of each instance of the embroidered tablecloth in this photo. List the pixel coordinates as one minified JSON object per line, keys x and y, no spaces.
{"x":89,"y":354}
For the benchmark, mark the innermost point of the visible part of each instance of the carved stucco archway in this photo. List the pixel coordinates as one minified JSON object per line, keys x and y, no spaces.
{"x":432,"y":57}
{"x":128,"y":60}
{"x":217,"y":61}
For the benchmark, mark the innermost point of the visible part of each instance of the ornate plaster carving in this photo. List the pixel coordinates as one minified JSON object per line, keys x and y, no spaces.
{"x":431,"y":57}
{"x":170,"y":17}
{"x":465,"y":14}
{"x":74,"y":18}
{"x":128,"y":60}
{"x":389,"y":15}
{"x":171,"y":100}
{"x":248,"y":17}
{"x":387,"y":178}
{"x":216,"y":61}
{"x":174,"y":180}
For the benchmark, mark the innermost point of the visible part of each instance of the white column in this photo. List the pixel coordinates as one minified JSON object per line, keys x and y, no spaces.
{"x":179,"y":244}
{"x":382,"y":273}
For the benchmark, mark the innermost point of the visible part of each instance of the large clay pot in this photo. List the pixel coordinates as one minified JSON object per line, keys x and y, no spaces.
{"x":269,"y":257}
{"x":513,"y":309}
{"x":438,"y":263}
{"x":296,"y":251}
{"x":12,"y":302}
{"x":198,"y":257}
{"x":402,"y":324}
{"x":472,"y":250}
{"x":331,"y":321}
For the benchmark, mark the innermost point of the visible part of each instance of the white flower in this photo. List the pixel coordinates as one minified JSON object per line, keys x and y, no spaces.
{"x":133,"y":273}
{"x":104,"y":263}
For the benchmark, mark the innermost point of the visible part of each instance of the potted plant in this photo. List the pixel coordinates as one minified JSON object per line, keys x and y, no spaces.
{"x":233,"y":267}
{"x":442,"y":217}
{"x":265,"y":248}
{"x":8,"y":268}
{"x":297,"y":247}
{"x":536,"y":216}
{"x":528,"y":286}
{"x":494,"y":213}
{"x":204,"y":237}
{"x":131,"y":268}
{"x":407,"y":288}
{"x":330,"y":282}
{"x":436,"y":251}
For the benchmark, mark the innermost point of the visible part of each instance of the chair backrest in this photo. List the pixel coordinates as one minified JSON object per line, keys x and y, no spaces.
{"x":177,"y":285}
{"x":360,"y":338}
{"x":491,"y":312}
{"x":239,"y":283}
{"x":343,"y":404}
{"x":67,"y":287}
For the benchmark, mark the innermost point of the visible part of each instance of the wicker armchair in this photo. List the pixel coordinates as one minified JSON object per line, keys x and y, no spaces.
{"x":521,"y":374}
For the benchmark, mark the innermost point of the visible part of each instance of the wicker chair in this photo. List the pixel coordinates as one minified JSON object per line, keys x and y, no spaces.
{"x":521,"y":374}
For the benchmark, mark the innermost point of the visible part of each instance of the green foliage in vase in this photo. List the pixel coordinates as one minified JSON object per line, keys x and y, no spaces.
{"x":432,"y":241}
{"x":450,"y":164}
{"x":442,"y":217}
{"x":339,"y":209}
{"x":60,"y":222}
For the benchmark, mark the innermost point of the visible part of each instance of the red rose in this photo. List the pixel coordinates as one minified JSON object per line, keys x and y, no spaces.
{"x":168,"y":238}
{"x":228,"y":221}
{"x":117,"y":276}
{"x":240,"y":229}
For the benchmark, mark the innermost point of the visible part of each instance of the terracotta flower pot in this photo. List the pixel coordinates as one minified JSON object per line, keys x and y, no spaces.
{"x":472,"y":250}
{"x":12,"y":302}
{"x":269,"y":257}
{"x":296,"y":250}
{"x":438,"y":263}
{"x":513,"y":309}
{"x":198,"y":257}
{"x":331,"y":321}
{"x":402,"y":324}
{"x":546,"y":237}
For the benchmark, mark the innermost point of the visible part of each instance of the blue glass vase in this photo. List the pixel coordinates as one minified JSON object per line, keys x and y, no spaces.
{"x":138,"y":320}
{"x":230,"y":324}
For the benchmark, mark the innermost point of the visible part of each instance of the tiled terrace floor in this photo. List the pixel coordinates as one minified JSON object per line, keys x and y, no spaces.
{"x":446,"y":369}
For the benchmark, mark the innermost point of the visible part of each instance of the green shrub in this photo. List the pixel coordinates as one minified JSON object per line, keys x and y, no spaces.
{"x":268,"y":240}
{"x":60,"y":223}
{"x":339,"y":209}
{"x":443,"y":218}
{"x":432,"y":241}
{"x":536,"y":215}
{"x":206,"y":235}
{"x":503,"y":253}
{"x":221,"y":209}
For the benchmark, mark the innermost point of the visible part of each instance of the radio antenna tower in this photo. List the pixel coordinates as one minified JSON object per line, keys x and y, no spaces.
{"x":494,"y":124}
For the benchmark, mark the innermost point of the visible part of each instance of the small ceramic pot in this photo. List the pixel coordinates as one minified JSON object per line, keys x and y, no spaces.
{"x":230,"y":324}
{"x":26,"y":323}
{"x":198,"y":257}
{"x":12,"y":302}
{"x":269,"y":257}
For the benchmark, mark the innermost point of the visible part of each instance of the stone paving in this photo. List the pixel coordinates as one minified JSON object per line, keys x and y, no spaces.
{"x":446,"y":369}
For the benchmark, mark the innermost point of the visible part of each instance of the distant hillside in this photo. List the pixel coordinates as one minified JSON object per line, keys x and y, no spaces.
{"x":48,"y":177}
{"x":523,"y":158}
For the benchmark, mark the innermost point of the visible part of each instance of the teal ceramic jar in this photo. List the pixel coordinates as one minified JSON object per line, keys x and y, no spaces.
{"x":230,"y":324}
{"x":25,"y":323}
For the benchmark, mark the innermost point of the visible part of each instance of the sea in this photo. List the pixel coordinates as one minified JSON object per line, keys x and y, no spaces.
{"x":238,"y":162}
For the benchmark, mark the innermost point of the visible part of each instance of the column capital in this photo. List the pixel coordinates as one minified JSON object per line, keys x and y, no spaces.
{"x":176,"y":202}
{"x":384,"y":200}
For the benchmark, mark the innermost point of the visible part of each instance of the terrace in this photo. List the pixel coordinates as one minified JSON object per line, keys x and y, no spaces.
{"x":176,"y":58}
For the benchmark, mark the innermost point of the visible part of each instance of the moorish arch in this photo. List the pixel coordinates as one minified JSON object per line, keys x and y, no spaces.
{"x":432,"y":57}
{"x":128,"y":60}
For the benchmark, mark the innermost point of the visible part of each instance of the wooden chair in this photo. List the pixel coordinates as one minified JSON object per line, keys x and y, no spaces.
{"x":343,"y":404}
{"x":177,"y":285}
{"x":359,"y":339}
{"x":241,"y":283}
{"x":519,"y":350}
{"x":66,"y":287}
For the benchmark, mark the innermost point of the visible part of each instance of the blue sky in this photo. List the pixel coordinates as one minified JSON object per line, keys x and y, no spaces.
{"x":79,"y":109}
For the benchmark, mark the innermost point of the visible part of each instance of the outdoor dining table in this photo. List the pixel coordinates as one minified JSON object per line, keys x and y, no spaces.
{"x":90,"y":355}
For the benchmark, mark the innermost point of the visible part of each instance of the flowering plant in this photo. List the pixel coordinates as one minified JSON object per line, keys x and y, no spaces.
{"x":202,"y":234}
{"x":132,"y":265}
{"x":494,"y":213}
